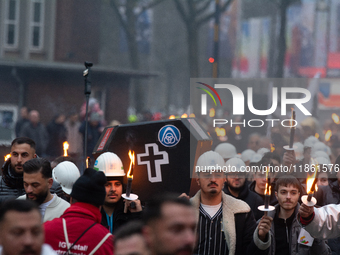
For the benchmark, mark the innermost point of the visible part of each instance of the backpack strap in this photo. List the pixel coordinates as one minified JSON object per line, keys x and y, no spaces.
{"x":100,"y":243}
{"x":65,"y":234}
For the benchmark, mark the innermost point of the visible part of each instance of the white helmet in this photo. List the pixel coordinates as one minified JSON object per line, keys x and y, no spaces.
{"x":236,"y":163}
{"x":247,"y":154}
{"x":320,"y":161}
{"x":210,"y":158}
{"x":110,"y":164}
{"x":262,"y":151}
{"x":256,"y":158}
{"x":66,"y":173}
{"x":320,"y":154}
{"x":310,"y":141}
{"x":226,"y":150}
{"x":298,"y":148}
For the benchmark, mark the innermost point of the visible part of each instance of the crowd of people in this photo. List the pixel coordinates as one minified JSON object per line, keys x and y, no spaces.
{"x":48,"y":205}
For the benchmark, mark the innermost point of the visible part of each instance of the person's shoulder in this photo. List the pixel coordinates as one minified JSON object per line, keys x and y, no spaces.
{"x":234,"y":204}
{"x":23,"y":197}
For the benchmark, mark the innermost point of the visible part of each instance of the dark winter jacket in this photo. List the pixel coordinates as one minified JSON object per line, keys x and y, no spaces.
{"x":119,"y":217}
{"x":38,"y":134}
{"x":252,"y":199}
{"x":79,"y":217}
{"x":56,"y":137}
{"x":11,"y":183}
{"x":319,"y":247}
{"x":239,"y":226}
{"x":273,"y":200}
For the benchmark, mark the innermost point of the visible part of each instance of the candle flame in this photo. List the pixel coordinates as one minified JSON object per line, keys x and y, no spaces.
{"x":317,"y":135}
{"x":65,"y":146}
{"x":212,"y":112}
{"x":87,"y":162}
{"x":237,"y":130}
{"x":311,"y":178}
{"x":220,"y":131}
{"x":328,"y":135}
{"x":7,"y":157}
{"x":268,"y":190}
{"x":184,"y":115}
{"x":132,"y":163}
{"x":272,"y":147}
{"x":171,"y":117}
{"x":336,"y":118}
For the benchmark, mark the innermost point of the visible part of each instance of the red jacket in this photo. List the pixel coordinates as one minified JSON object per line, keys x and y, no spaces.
{"x":78,"y":218}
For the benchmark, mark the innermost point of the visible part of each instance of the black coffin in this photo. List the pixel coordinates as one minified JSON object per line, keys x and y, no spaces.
{"x":165,"y":153}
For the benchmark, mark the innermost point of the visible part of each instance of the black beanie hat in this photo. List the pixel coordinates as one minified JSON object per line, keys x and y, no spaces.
{"x":90,"y":187}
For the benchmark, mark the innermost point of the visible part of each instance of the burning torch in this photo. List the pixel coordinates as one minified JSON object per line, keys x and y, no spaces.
{"x":65,"y":147}
{"x":128,"y":195}
{"x":87,"y":75}
{"x":267,"y":192}
{"x":311,"y":186}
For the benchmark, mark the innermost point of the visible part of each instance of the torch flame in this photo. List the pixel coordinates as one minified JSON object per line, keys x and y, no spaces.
{"x":184,"y":115}
{"x":272,"y":147}
{"x":317,"y":135}
{"x":220,"y":131}
{"x":65,"y":146}
{"x":268,"y":189}
{"x":132,"y":163}
{"x":336,"y":118}
{"x":212,"y":112}
{"x":192,"y":115}
{"x":328,"y":135}
{"x":7,"y":157}
{"x":237,"y":130}
{"x":311,"y":178}
{"x":171,"y":117}
{"x":87,"y":162}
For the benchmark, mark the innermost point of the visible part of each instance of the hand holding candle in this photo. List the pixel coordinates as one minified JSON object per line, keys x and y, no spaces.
{"x":311,"y":186}
{"x":128,"y":195}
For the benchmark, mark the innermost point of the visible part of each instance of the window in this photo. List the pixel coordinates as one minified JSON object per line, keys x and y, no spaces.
{"x":37,"y":24}
{"x":8,"y":118}
{"x":11,"y":24}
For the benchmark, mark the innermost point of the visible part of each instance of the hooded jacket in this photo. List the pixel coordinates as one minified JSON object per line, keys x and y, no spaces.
{"x":11,"y":183}
{"x":239,"y":226}
{"x":78,"y":217}
{"x":319,"y":247}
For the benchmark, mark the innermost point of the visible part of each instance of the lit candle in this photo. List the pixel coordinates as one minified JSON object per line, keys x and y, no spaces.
{"x":130,"y":173}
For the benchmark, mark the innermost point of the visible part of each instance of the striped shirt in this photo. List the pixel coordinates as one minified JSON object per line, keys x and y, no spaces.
{"x":211,"y":239}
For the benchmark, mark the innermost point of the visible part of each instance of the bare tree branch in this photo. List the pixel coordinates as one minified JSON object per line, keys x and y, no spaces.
{"x":203,"y":7}
{"x":181,"y":10}
{"x":211,"y":15}
{"x":115,"y":5}
{"x":149,"y":6}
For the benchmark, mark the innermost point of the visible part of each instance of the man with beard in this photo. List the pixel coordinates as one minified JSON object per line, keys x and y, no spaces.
{"x":37,"y":183}
{"x":170,"y":225}
{"x":237,"y":187}
{"x":21,"y":231}
{"x":11,"y":185}
{"x":113,"y":216}
{"x":286,"y":231}
{"x":225,"y":225}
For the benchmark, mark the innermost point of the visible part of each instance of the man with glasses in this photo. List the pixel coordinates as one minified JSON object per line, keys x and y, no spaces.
{"x":225,"y":225}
